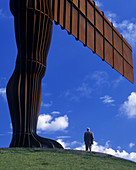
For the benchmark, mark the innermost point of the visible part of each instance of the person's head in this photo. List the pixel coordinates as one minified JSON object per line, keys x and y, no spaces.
{"x":88,"y":129}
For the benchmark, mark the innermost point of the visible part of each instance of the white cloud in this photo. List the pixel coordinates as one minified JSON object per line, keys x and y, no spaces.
{"x":106,"y":149}
{"x":81,"y":91}
{"x":68,"y":145}
{"x":101,"y":78}
{"x":101,"y":149}
{"x":98,"y":3}
{"x":84,"y":90}
{"x":3,"y":92}
{"x":82,"y":147}
{"x":107,"y":99}
{"x":72,"y":95}
{"x":131,"y":145}
{"x":63,"y":137}
{"x":128,"y":30}
{"x":128,"y":108}
{"x":112,"y":17}
{"x":47,"y":105}
{"x":117,"y":81}
{"x":107,"y":144}
{"x":47,"y":123}
{"x":126,"y":27}
{"x":55,"y":113}
{"x":119,"y":147}
{"x":64,"y":144}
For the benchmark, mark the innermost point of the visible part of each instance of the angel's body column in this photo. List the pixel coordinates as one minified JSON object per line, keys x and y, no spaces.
{"x":33,"y":30}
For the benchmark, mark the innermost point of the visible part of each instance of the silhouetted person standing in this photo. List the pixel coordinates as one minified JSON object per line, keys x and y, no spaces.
{"x":88,"y":139}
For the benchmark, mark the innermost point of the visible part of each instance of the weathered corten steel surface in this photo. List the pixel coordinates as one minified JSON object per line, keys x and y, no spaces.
{"x":33,"y":30}
{"x":33,"y":20}
{"x":84,"y":20}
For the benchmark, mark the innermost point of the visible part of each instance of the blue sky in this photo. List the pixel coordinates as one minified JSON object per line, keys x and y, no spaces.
{"x":79,"y":90}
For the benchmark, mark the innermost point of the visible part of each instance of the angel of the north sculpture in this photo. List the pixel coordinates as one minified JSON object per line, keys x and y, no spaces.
{"x":33,"y":21}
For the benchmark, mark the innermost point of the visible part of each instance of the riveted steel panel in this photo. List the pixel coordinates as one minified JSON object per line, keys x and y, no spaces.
{"x":99,"y":44}
{"x":61,"y":15}
{"x":68,"y":17}
{"x":76,"y":2}
{"x":90,"y":12}
{"x":127,"y":54}
{"x":99,"y":21}
{"x":117,"y":43}
{"x":90,"y":36}
{"x":128,"y":71}
{"x":82,"y":29}
{"x":56,"y":10}
{"x":83,"y":7}
{"x":118,"y":62}
{"x":108,"y":53}
{"x":108,"y":30}
{"x":74,"y":21}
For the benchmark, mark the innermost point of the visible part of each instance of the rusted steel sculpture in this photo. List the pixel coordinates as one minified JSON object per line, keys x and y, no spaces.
{"x":33,"y":29}
{"x":84,"y":20}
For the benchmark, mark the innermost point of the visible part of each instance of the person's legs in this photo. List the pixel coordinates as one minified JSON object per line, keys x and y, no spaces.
{"x":90,"y":147}
{"x":86,"y":147}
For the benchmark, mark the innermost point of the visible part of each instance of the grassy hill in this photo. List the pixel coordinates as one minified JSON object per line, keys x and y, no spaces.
{"x":19,"y":158}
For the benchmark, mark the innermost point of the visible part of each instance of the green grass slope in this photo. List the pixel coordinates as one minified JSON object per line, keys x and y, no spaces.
{"x":19,"y":158}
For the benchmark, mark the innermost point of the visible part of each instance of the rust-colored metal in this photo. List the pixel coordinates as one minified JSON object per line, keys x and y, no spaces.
{"x":33,"y":29}
{"x":84,"y":20}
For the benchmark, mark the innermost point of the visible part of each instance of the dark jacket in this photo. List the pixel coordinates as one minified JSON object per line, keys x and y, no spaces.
{"x":88,"y":137}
